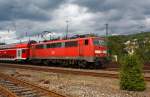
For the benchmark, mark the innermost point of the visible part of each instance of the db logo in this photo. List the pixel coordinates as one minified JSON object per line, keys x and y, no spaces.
{"x":53,"y":52}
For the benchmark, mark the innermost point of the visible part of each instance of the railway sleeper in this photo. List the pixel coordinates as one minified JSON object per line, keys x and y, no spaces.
{"x":9,"y":86}
{"x":27,"y":93}
{"x":2,"y":83}
{"x":5,"y":81}
{"x":20,"y":90}
{"x":14,"y":88}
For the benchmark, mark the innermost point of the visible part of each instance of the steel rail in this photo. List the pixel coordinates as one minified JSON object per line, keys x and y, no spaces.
{"x":65,"y":71}
{"x":30,"y":85}
{"x":6,"y":92}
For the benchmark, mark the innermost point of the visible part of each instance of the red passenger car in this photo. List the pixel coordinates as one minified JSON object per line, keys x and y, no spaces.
{"x":14,"y":52}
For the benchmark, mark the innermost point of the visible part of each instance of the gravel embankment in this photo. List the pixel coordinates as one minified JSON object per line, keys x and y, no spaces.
{"x":75,"y":85}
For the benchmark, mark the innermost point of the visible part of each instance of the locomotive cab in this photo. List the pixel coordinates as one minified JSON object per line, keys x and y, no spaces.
{"x":100,"y":51}
{"x":100,"y":47}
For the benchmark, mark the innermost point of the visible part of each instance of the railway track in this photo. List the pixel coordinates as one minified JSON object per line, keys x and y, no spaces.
{"x":117,"y":69}
{"x":12,"y":87}
{"x":68,"y":71}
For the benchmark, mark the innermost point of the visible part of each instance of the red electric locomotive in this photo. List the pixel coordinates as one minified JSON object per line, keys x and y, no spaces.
{"x":80,"y":51}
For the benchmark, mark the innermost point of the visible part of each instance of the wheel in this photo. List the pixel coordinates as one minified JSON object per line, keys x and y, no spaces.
{"x":45,"y":62}
{"x":98,"y":65}
{"x":82,"y":64}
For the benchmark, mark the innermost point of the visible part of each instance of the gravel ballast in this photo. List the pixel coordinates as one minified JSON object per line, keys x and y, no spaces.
{"x":75,"y":85}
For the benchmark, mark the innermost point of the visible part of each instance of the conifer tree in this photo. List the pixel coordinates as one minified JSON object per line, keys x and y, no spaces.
{"x":131,"y":77}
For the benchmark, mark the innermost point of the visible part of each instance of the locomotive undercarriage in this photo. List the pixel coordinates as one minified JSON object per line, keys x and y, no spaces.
{"x":96,"y":63}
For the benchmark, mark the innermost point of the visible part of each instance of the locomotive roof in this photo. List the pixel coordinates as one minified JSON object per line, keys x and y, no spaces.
{"x":25,"y":44}
{"x":65,"y":40}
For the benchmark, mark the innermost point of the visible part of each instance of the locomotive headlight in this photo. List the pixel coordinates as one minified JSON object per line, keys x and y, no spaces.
{"x":98,"y":51}
{"x":105,"y":52}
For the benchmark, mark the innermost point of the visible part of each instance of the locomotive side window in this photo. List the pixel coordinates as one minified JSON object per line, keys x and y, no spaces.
{"x":71,"y":44}
{"x":59,"y":45}
{"x":41,"y":46}
{"x":86,"y":42}
{"x":63,"y":44}
{"x":48,"y":45}
{"x":54,"y":45}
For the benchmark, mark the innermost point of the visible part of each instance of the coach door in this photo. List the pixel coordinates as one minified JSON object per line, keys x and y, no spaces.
{"x":19,"y":53}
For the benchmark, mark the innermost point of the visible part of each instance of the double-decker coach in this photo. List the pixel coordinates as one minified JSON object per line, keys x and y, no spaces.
{"x":14,"y":52}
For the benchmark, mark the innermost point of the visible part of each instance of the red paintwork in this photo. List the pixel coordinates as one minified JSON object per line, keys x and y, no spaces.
{"x":9,"y":52}
{"x":58,"y":52}
{"x":22,"y":45}
{"x":80,"y":50}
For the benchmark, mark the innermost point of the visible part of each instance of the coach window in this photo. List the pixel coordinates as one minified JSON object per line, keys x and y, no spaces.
{"x":41,"y":46}
{"x":23,"y":51}
{"x":86,"y":42}
{"x":71,"y":44}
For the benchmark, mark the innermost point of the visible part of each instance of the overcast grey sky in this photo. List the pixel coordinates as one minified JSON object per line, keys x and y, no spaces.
{"x":123,"y":16}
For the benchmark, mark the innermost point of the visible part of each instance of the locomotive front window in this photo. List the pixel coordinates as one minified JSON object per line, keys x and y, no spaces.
{"x":99,"y":42}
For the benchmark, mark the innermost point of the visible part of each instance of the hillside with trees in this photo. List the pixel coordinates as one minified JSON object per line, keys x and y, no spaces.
{"x":136,"y":43}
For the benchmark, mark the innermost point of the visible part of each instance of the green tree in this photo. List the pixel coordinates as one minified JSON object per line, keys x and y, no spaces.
{"x":116,"y":45}
{"x":144,"y":51}
{"x":131,"y":77}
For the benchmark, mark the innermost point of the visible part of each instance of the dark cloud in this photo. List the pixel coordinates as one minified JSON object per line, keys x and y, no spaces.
{"x":93,"y":5}
{"x":101,"y":5}
{"x":27,"y":9}
{"x":123,"y":16}
{"x":116,"y":9}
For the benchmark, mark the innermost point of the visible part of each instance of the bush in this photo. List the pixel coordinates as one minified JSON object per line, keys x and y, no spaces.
{"x":131,"y":77}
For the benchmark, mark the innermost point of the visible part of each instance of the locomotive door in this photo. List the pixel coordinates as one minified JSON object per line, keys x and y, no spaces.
{"x":19,"y":53}
{"x":81,"y":48}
